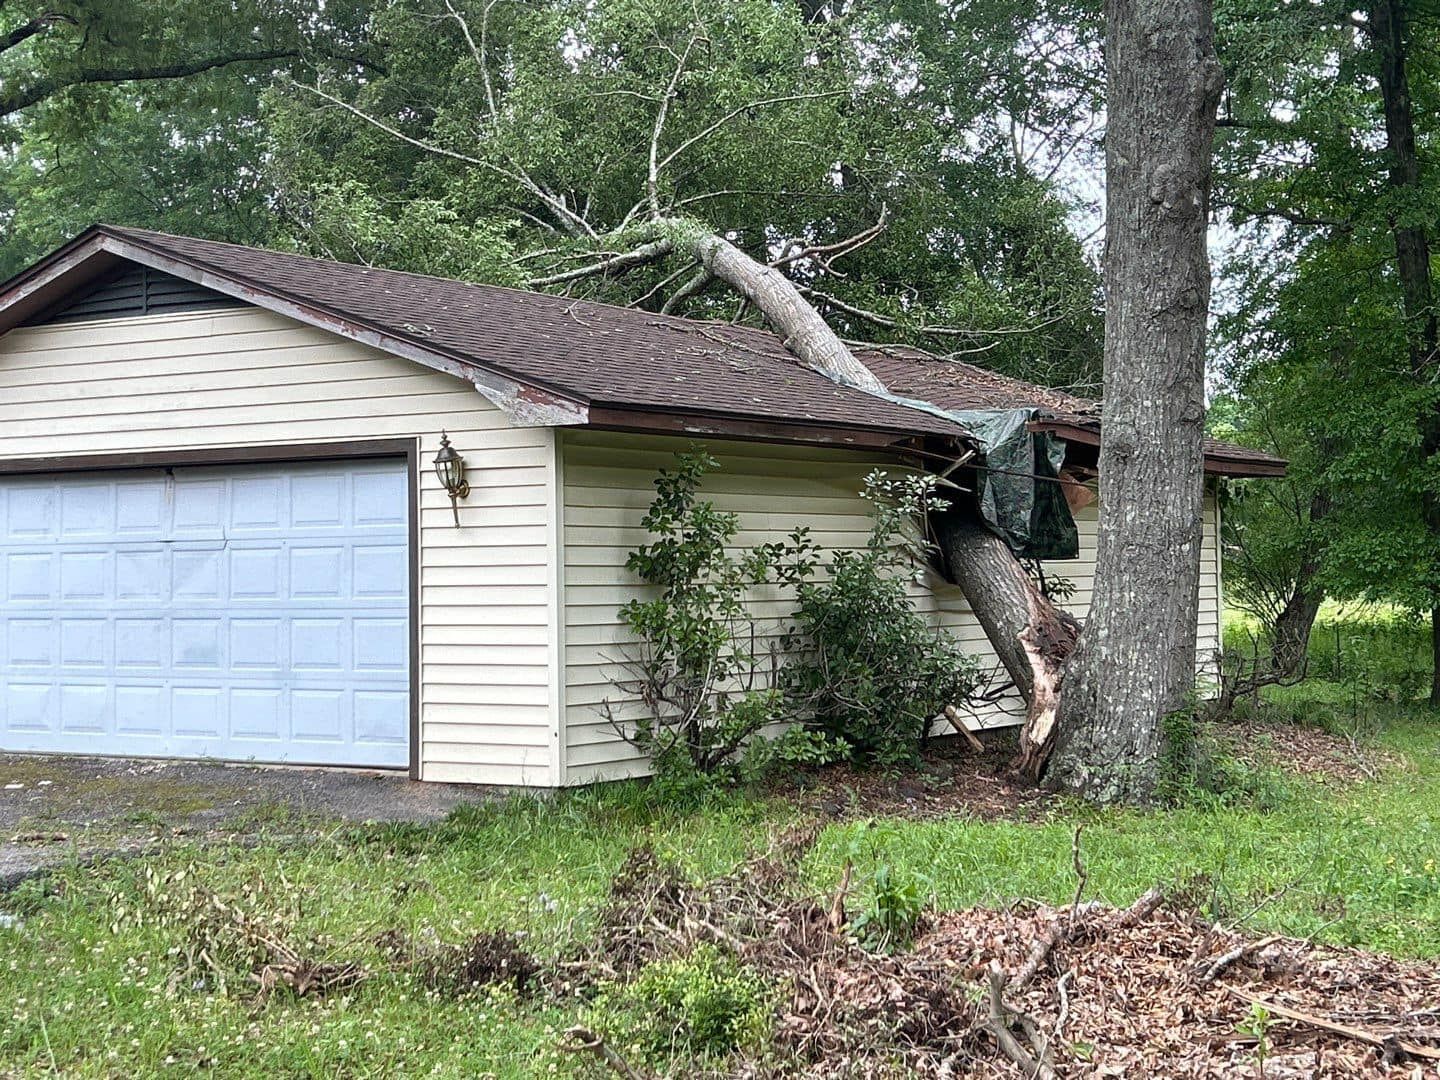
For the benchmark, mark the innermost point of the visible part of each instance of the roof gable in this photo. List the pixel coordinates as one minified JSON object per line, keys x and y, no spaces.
{"x":550,"y":360}
{"x":131,"y":290}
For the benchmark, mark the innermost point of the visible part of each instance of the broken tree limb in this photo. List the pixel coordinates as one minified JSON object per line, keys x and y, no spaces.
{"x":958,"y":723}
{"x":799,"y":326}
{"x":1029,"y":633}
{"x":999,"y":1025}
{"x":1414,"y":1050}
{"x":1224,"y":960}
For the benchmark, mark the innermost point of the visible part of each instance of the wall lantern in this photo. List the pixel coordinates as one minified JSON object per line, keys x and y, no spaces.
{"x":450,"y":468}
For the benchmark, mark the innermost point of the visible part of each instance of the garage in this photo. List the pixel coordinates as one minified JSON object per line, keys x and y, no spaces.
{"x":236,"y":612}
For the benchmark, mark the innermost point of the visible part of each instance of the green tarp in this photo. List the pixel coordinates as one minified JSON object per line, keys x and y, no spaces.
{"x":1019,"y":491}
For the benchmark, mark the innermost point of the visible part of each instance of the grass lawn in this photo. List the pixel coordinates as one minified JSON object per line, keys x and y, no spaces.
{"x":88,"y":984}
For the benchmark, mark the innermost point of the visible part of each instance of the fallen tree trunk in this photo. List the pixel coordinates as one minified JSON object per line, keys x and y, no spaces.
{"x":1031,"y":635}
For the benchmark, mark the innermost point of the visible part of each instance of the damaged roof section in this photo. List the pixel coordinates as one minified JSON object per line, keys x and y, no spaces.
{"x":551,"y":360}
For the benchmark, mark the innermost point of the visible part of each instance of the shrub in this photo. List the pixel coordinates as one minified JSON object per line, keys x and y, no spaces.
{"x":866,"y":667}
{"x":702,"y":1006}
{"x":695,"y":670}
{"x":864,"y":672}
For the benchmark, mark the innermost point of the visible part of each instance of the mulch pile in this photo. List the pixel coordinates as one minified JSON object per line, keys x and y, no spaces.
{"x":1309,"y":751}
{"x":1031,"y":990}
{"x":1163,"y":993}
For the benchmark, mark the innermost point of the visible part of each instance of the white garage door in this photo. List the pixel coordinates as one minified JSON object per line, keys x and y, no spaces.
{"x":245,"y":613}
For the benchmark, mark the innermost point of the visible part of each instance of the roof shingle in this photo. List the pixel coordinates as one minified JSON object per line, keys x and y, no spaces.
{"x":600,"y":355}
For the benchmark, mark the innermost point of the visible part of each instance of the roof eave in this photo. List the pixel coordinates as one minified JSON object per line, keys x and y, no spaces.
{"x":621,"y":417}
{"x":1259,"y":465}
{"x":97,"y":250}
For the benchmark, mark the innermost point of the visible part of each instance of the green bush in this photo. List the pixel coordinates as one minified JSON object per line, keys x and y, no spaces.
{"x":1200,"y":769}
{"x":866,"y":667}
{"x":694,"y":670}
{"x":864,"y":672}
{"x":702,"y":1006}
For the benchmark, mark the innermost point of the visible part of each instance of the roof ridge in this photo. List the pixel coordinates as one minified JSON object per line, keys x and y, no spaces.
{"x":656,"y":318}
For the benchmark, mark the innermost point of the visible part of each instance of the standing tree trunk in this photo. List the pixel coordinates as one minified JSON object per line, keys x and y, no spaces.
{"x":1135,"y":660}
{"x":1389,"y":32}
{"x":1297,"y":617}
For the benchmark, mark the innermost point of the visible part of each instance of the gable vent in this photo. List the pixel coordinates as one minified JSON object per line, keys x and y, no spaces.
{"x":137,"y":290}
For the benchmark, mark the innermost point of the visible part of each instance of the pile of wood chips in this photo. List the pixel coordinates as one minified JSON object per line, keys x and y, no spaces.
{"x":1160,"y":993}
{"x":1027,"y":991}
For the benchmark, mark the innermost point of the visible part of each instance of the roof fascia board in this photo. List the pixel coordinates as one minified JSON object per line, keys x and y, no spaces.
{"x":733,"y":427}
{"x":525,"y":405}
{"x":1215,"y":465}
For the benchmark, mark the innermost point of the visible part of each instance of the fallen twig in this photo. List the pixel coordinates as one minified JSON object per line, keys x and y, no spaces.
{"x":1385,"y":1042}
{"x":581,"y":1040}
{"x":1238,"y":953}
{"x":998,"y":1024}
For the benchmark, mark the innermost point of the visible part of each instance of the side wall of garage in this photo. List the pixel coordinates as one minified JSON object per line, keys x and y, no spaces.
{"x":607,"y":481}
{"x":245,"y":378}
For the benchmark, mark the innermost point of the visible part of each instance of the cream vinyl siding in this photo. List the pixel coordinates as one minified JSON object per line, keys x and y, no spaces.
{"x":607,"y":486}
{"x":242,"y":377}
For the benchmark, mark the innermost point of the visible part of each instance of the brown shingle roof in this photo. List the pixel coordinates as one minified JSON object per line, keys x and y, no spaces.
{"x":603,"y":356}
{"x":599,"y":353}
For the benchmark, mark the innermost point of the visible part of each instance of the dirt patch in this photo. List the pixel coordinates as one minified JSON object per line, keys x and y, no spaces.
{"x":54,"y":808}
{"x":952,"y":780}
{"x":1309,"y":751}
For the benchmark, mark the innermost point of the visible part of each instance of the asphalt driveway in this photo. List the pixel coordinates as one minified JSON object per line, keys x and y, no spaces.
{"x":56,"y":808}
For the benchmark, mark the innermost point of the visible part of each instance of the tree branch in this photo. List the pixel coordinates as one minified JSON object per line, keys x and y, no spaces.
{"x":569,"y":220}
{"x":826,"y":254}
{"x":627,"y":260}
{"x":652,"y":176}
{"x":25,"y":31}
{"x":709,"y":130}
{"x":694,"y":287}
{"x":1292,"y":216}
{"x":478,"y":52}
{"x":41,"y":89}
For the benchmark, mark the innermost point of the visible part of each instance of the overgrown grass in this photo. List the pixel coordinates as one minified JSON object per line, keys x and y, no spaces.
{"x":87,"y":984}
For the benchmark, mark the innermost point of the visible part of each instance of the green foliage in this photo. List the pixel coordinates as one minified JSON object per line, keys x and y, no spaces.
{"x":1316,"y":340}
{"x":699,"y":1008}
{"x":864,"y":672}
{"x":1257,"y":1025}
{"x":1200,"y":768}
{"x":897,"y":903}
{"x":695,"y":671}
{"x":789,"y":125}
{"x":183,"y":154}
{"x":865,"y":666}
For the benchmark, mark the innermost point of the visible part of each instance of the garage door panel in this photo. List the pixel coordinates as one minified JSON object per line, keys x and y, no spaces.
{"x":252,"y":613}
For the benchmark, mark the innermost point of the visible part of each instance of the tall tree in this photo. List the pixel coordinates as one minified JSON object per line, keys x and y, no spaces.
{"x":561,"y":129}
{"x":1389,"y":30}
{"x":178,"y":142}
{"x":48,"y":47}
{"x":1135,"y":660}
{"x":1326,"y":171}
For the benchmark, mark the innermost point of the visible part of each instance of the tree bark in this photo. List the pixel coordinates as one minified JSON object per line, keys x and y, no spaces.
{"x":801,"y":328}
{"x":1390,"y":34}
{"x":1297,"y":618}
{"x":1031,"y":636}
{"x":1134,"y":663}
